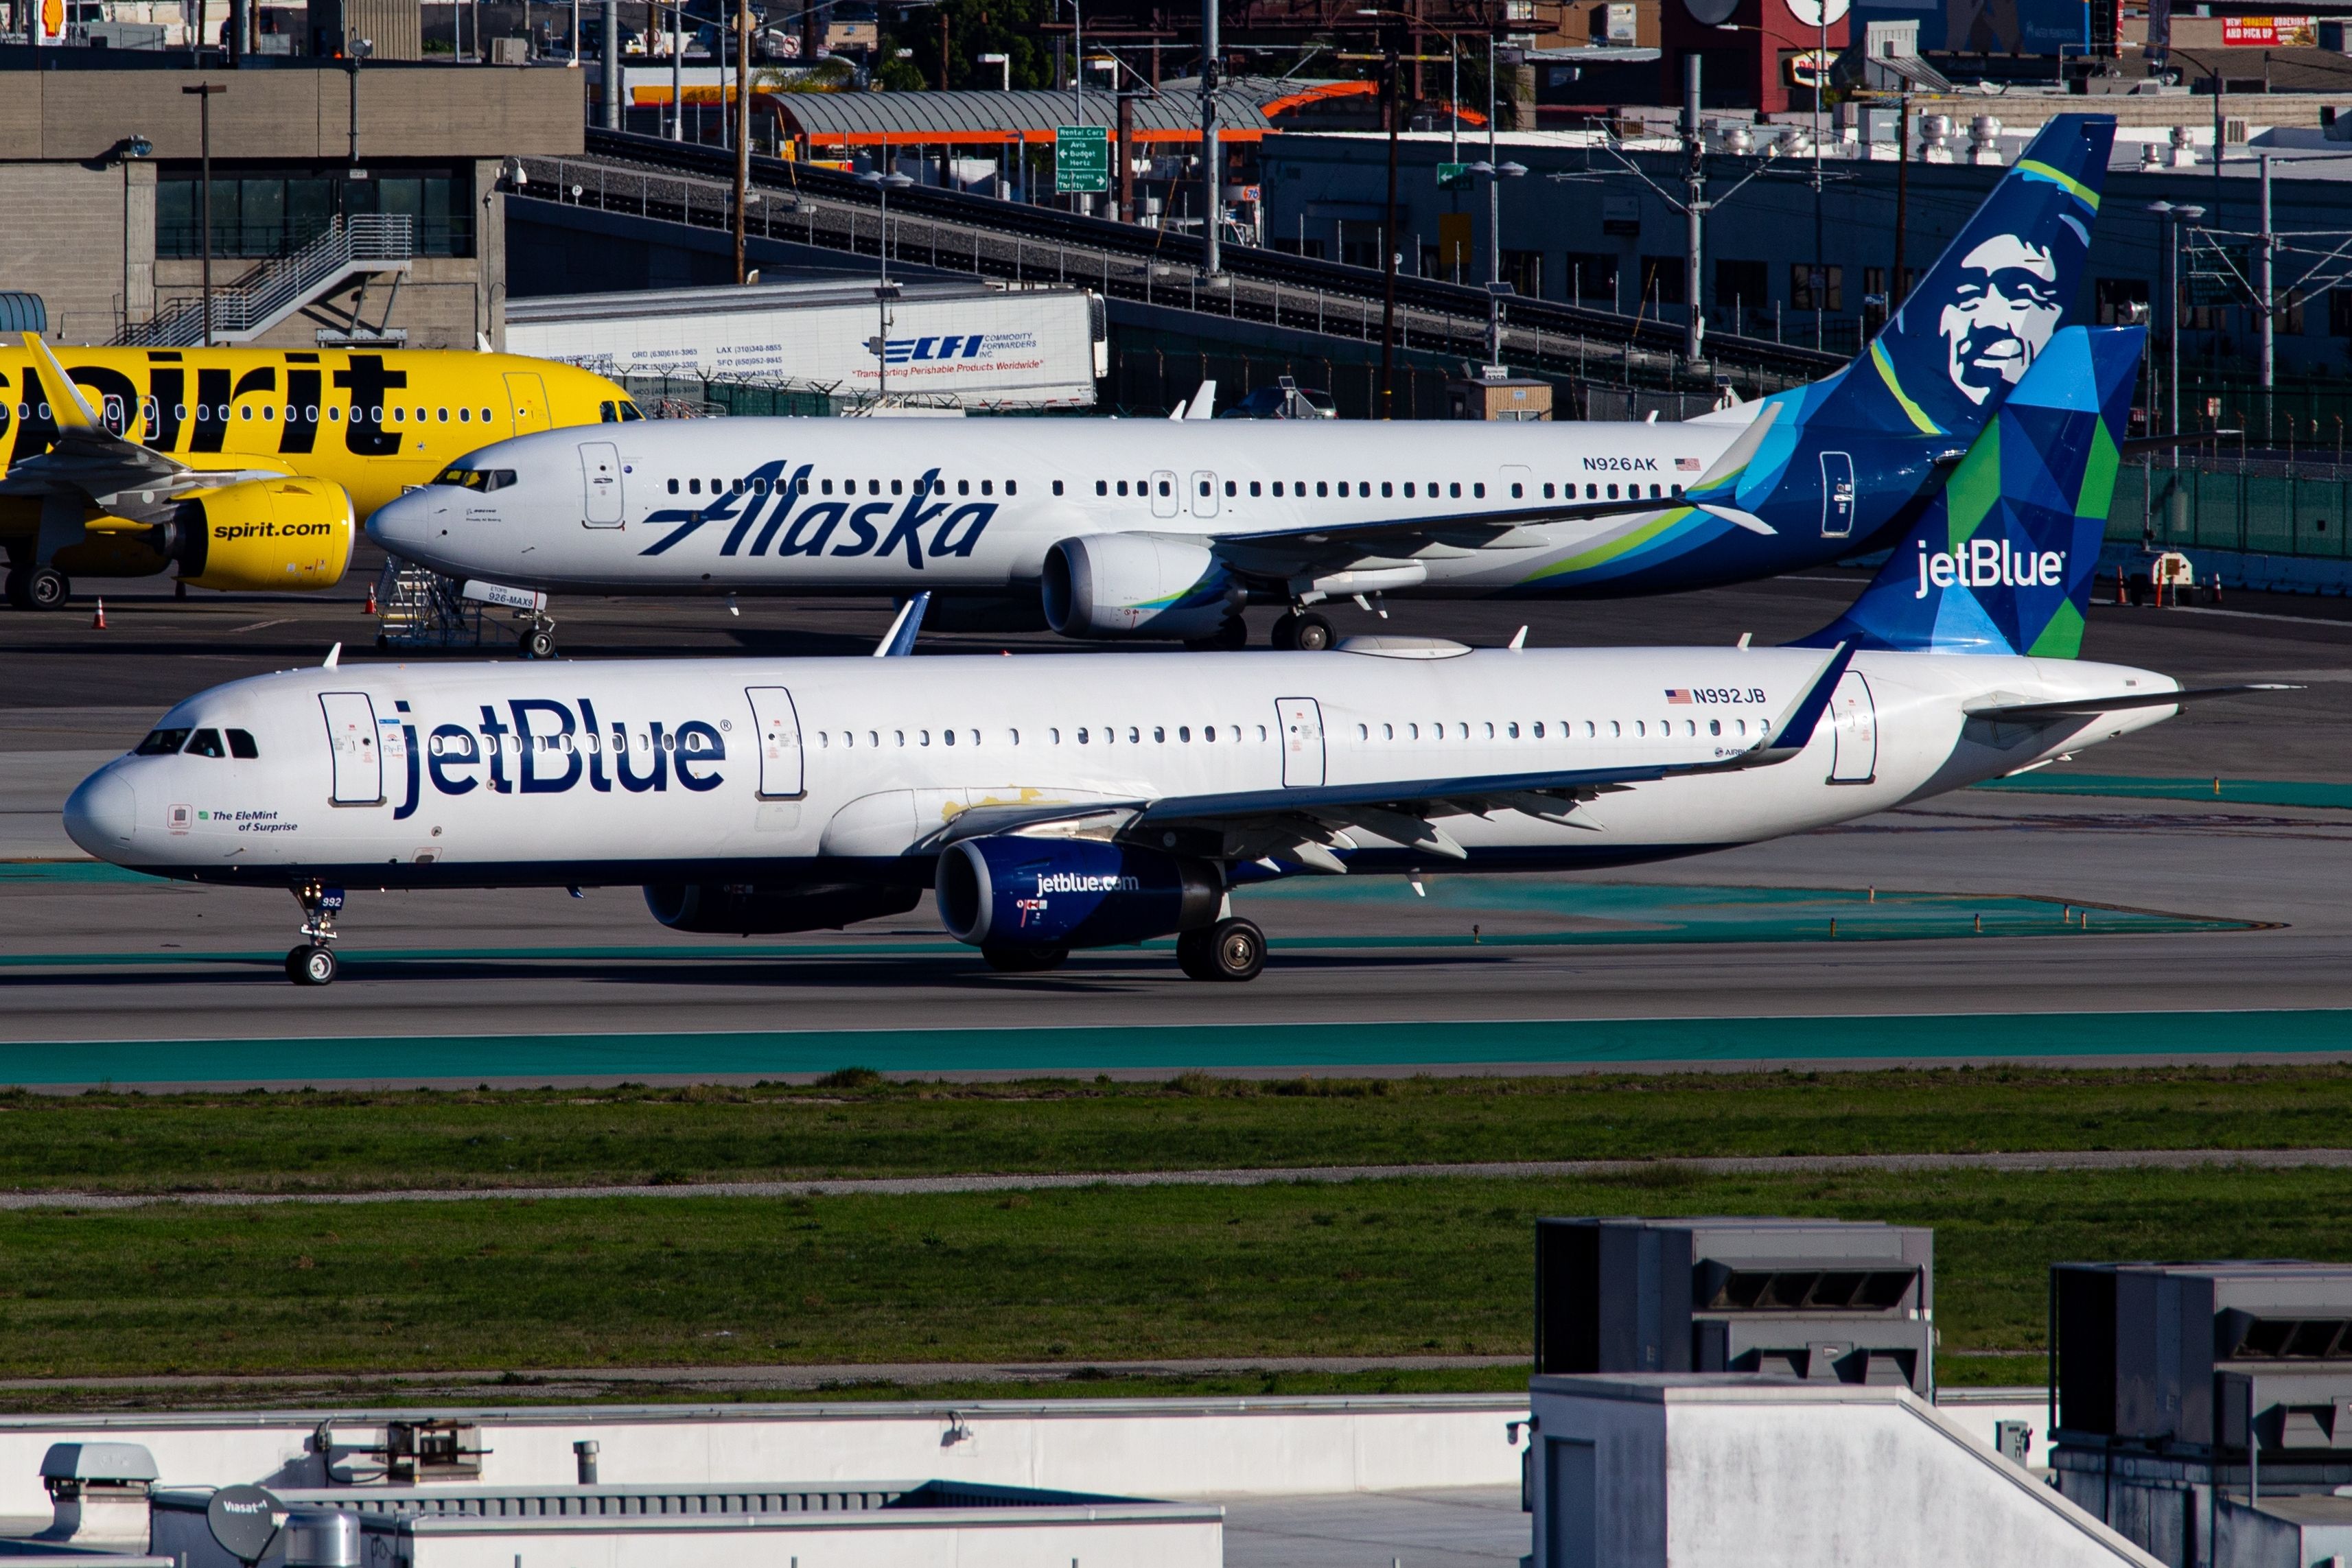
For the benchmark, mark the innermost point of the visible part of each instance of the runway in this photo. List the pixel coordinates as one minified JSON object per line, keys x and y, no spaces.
{"x":2122,"y":912}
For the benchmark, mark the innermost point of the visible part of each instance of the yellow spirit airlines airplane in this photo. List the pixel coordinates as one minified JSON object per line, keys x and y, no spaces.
{"x":247,"y":467}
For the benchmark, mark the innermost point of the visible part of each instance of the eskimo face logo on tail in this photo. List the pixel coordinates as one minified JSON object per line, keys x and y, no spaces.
{"x":2002,"y":316}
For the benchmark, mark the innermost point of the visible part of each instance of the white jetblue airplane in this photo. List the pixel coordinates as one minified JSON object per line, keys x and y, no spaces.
{"x":1108,"y":798}
{"x":1166,"y":529}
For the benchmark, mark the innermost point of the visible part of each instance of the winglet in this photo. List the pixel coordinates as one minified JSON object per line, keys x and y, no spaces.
{"x":900,"y":640}
{"x":334,"y":658}
{"x":1204,"y":403}
{"x":1794,"y":732}
{"x":72,"y":410}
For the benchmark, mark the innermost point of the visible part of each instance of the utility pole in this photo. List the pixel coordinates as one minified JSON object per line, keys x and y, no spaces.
{"x":612,"y":63}
{"x":1212,"y":174}
{"x":1494,"y":194}
{"x":1391,"y":113}
{"x":1693,"y":213}
{"x":743,"y":129}
{"x":1902,"y":195}
{"x":943,"y":49}
{"x":2265,"y":273}
{"x":1126,"y":156}
{"x":678,"y":70}
{"x":203,"y":95}
{"x":1078,"y":60}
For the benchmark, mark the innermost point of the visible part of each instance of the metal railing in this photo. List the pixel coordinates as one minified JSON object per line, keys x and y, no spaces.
{"x":364,"y":242}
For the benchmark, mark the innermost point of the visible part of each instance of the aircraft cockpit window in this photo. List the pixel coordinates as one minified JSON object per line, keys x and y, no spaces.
{"x":241,"y":746}
{"x":161,"y":743}
{"x":206,"y":743}
{"x":485,"y":479}
{"x":609,"y":412}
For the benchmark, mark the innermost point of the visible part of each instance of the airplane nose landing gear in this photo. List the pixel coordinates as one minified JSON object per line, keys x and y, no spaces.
{"x":313,"y":963}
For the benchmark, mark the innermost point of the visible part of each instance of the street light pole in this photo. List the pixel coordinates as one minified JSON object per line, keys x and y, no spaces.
{"x":884,"y":183}
{"x":1693,"y":213}
{"x":1390,"y":111}
{"x":1213,"y":175}
{"x":743,"y":128}
{"x":203,"y":95}
{"x":2265,"y":274}
{"x":1494,"y":197}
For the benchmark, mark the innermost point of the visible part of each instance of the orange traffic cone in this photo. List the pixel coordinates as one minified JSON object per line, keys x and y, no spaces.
{"x":370,"y":603}
{"x":98,"y":622}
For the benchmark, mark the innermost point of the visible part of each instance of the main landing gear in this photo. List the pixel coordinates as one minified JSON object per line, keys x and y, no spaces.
{"x":37,"y":588}
{"x":1232,"y":949}
{"x":313,"y":963}
{"x":1304,"y":631}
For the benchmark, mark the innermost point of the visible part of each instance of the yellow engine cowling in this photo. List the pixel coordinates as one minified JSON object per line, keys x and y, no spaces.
{"x":267,"y":534}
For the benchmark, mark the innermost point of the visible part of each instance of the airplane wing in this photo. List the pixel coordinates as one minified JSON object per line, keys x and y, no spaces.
{"x":2091,"y":708}
{"x":1305,"y":825}
{"x":1286,"y":552}
{"x":117,"y":474}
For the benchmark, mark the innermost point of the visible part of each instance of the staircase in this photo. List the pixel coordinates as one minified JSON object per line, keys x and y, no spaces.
{"x":421,"y":609}
{"x":365,"y":242}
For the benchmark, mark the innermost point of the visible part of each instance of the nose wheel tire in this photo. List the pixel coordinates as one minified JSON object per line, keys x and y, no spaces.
{"x":1229,"y":950}
{"x":1303,"y":633}
{"x":311,"y":965}
{"x":1010,"y":960}
{"x":538,"y":643}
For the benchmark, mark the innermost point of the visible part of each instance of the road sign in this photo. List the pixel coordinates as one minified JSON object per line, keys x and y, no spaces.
{"x":1452,"y":176}
{"x":1081,"y":158}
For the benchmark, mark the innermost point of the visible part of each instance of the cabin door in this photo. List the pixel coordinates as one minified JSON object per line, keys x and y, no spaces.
{"x":1856,"y":731}
{"x":359,"y":762}
{"x":778,"y":726}
{"x":600,"y":472}
{"x":1302,"y":742}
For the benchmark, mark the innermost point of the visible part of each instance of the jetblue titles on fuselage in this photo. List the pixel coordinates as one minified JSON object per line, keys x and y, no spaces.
{"x":541,"y":745}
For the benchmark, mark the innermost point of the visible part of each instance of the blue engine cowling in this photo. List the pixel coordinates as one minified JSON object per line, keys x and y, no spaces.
{"x":1012,"y":892}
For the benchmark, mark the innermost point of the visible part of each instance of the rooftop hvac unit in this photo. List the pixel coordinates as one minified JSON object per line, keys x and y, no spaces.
{"x":1829,"y":1300}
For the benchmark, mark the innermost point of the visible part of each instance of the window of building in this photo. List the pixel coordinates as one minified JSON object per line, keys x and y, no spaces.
{"x":1813,"y":287}
{"x":1590,"y":276}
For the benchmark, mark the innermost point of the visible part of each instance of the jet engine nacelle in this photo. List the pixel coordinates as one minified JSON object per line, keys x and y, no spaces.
{"x":265,"y":534}
{"x":1128,"y":585}
{"x":747,"y":909}
{"x":1008,"y":890}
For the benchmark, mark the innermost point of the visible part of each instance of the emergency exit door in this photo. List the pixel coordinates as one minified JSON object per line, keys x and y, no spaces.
{"x":1856,"y":730}
{"x":350,"y":733}
{"x":778,"y":725}
{"x":600,"y":473}
{"x":1302,"y":742}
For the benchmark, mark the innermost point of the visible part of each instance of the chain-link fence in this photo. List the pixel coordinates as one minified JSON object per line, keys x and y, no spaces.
{"x":2268,"y":508}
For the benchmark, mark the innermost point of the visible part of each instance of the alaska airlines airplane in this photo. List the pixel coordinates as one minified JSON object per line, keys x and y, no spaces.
{"x":1167,"y":529}
{"x":1108,"y":798}
{"x":247,"y":467}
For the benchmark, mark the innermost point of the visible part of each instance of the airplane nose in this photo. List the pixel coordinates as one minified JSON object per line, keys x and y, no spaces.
{"x":100,"y":814}
{"x":395,"y":522}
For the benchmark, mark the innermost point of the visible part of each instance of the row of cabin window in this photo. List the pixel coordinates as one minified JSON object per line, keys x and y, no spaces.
{"x":1608,"y":728}
{"x":589,"y":741}
{"x":1450,"y":490}
{"x":1082,"y":735}
{"x":269,"y":411}
{"x":759,"y":486}
{"x":198,"y":743}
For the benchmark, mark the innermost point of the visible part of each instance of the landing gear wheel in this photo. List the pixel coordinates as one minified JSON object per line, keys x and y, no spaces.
{"x":1229,"y":950}
{"x":1233,"y":634}
{"x":46,"y":588}
{"x":1305,"y":633}
{"x":312,"y":966}
{"x":539,"y":643}
{"x":1010,"y":960}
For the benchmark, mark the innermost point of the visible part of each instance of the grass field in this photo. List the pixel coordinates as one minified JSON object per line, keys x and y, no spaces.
{"x":856,"y":1126}
{"x":1407,"y":1266}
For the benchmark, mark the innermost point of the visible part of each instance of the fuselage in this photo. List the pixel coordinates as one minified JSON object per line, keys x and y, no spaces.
{"x":373,"y":422}
{"x":971,"y":506}
{"x":490,"y":775}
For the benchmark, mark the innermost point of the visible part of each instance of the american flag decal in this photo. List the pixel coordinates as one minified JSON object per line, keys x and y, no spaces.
{"x":1685,"y":465}
{"x":1678,"y":694}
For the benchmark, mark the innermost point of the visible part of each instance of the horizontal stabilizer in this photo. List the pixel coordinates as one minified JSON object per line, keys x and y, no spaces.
{"x":2091,"y":708}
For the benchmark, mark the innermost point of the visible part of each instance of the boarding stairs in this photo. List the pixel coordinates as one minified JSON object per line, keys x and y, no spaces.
{"x":362,"y":245}
{"x":421,"y":609}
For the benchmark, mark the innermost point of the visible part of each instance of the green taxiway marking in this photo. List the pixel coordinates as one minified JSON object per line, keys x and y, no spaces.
{"x":1547,"y":914}
{"x":2236,"y":791}
{"x":1173,"y":1048}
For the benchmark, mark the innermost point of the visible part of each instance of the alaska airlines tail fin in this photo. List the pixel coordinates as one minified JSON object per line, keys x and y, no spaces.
{"x":1986,"y":311}
{"x":2001,"y":561}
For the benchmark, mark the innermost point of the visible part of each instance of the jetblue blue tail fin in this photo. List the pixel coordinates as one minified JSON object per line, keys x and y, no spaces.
{"x":2002,"y":560}
{"x":1985,"y":311}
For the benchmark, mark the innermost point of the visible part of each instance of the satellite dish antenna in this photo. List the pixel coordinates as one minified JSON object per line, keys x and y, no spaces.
{"x":244,"y":1521}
